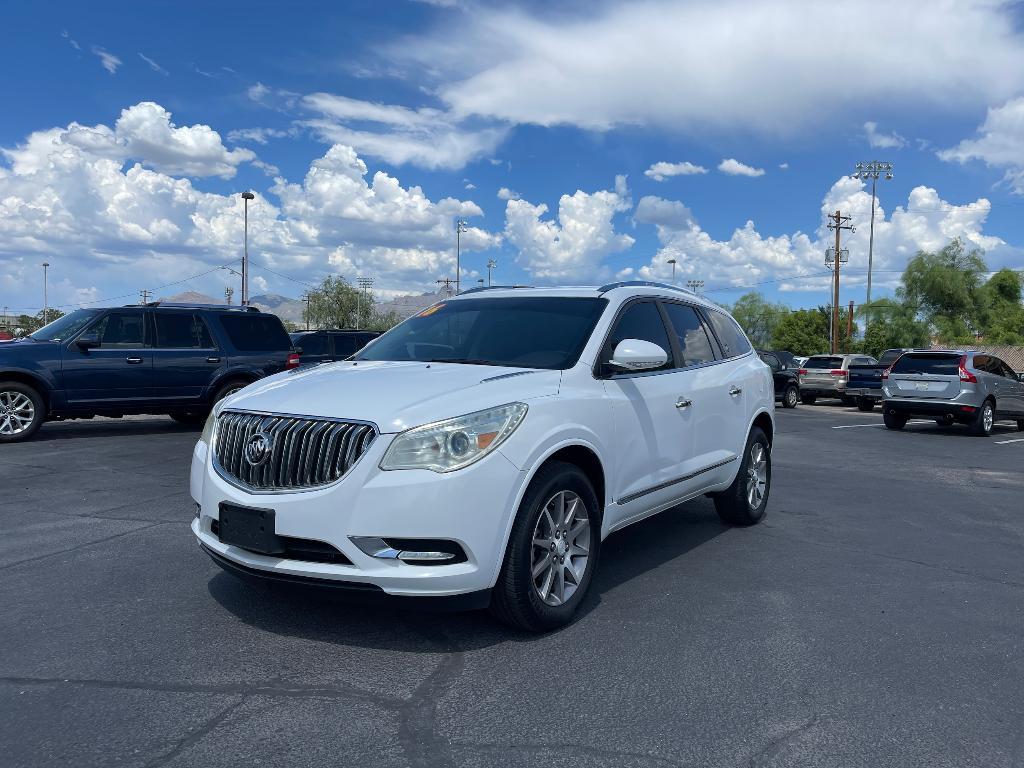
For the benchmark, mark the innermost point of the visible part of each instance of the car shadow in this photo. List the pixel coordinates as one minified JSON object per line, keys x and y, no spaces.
{"x":107,"y":427}
{"x":322,"y":615}
{"x":959,"y":430}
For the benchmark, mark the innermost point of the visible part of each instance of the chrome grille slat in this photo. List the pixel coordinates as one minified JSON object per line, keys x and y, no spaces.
{"x":306,"y":452}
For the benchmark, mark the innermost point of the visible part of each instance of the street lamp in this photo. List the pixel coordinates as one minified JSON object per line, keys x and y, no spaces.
{"x":673,"y":263}
{"x":491,"y":264}
{"x":246,"y":196}
{"x":871,"y":171}
{"x":46,"y":298}
{"x":461,"y":228}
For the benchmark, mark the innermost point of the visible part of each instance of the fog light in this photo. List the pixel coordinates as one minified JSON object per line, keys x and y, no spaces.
{"x":406,"y":551}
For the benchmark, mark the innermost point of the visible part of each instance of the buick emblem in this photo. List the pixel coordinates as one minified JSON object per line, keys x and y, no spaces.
{"x":258,"y":448}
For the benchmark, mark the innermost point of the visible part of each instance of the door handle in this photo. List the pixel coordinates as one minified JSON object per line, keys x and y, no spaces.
{"x":133,"y":360}
{"x":213,"y":359}
{"x":683,"y":402}
{"x":736,"y":391}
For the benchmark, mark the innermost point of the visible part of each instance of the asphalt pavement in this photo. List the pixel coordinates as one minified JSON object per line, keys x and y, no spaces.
{"x":875,"y":618}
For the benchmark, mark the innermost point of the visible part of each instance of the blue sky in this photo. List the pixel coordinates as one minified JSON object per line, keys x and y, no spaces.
{"x":366,"y":128}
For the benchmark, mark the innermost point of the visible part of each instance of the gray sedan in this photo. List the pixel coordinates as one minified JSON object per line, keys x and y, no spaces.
{"x":971,"y":388}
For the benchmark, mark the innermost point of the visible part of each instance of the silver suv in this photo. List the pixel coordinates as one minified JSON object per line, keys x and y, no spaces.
{"x":972,"y":388}
{"x":827,"y":375}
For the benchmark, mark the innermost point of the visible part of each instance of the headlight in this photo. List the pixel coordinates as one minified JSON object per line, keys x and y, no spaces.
{"x":452,"y":444}
{"x":207,"y":435}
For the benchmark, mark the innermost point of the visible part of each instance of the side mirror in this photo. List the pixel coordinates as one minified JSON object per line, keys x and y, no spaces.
{"x":88,"y":341}
{"x":637,"y":355}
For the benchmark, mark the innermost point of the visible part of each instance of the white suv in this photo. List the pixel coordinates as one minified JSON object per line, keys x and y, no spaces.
{"x":483,"y":449}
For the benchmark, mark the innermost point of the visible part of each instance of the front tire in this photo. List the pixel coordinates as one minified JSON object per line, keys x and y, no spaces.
{"x":865,"y":404}
{"x":21,"y":411}
{"x":744,"y":502}
{"x":808,"y":399}
{"x":228,"y":389}
{"x":552,"y":551}
{"x":984,"y":419}
{"x":894,"y":420}
{"x":790,"y":397}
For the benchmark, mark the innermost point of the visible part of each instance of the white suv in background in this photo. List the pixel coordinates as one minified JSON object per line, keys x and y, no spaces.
{"x":483,"y":449}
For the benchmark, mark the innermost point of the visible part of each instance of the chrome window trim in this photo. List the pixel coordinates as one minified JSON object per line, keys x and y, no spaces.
{"x":669,"y":483}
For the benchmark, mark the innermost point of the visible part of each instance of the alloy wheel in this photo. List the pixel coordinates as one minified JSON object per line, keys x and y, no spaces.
{"x":988,"y":417}
{"x":16,"y":412}
{"x":757,"y":475}
{"x":561,"y":548}
{"x":791,"y":397}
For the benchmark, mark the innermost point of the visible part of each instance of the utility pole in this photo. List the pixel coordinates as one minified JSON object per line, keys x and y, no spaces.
{"x":145,"y":293}
{"x":491,"y":264}
{"x":306,"y":297}
{"x":229,"y":292}
{"x":461,"y":227}
{"x":837,"y":222}
{"x":871,"y":171}
{"x":246,"y":197}
{"x":46,"y":296}
{"x":695,"y":285}
{"x":447,"y":282}
{"x":364,"y":285}
{"x":849,"y":327}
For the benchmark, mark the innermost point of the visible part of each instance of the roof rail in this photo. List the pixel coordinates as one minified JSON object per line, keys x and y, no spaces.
{"x":479,"y":288}
{"x":191,"y":305}
{"x":643,"y":284}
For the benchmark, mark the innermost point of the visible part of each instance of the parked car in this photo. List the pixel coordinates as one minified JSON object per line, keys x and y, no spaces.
{"x":786,"y":380}
{"x":971,"y":388}
{"x":865,"y":379}
{"x":6,"y":335}
{"x":481,"y":451}
{"x":787,"y":358}
{"x":160,"y":358}
{"x":316,"y":347}
{"x":826,"y":376}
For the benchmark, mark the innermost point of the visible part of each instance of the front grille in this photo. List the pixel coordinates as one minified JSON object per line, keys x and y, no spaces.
{"x":303,"y":452}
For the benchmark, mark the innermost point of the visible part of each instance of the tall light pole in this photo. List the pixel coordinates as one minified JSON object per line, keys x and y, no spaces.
{"x":461,"y":228}
{"x":364,"y":285}
{"x":871,"y":171}
{"x":837,"y":222}
{"x":46,"y":297}
{"x":246,"y":196}
{"x":673,"y":263}
{"x":491,"y":264}
{"x":695,"y":285}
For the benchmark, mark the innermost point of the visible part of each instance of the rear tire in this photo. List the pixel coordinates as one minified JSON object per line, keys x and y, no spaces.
{"x":519,"y":598}
{"x":894,"y":420}
{"x":865,"y":404}
{"x":744,"y":502}
{"x":22,"y":411}
{"x":808,"y":399}
{"x":848,"y":401}
{"x":984,"y":418}
{"x":790,"y":397}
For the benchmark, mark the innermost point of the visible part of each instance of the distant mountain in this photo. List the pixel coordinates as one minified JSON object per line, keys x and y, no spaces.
{"x":282,"y":306}
{"x":191,"y":297}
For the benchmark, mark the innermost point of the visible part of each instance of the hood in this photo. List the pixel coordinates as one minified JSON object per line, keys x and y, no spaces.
{"x":394,"y":395}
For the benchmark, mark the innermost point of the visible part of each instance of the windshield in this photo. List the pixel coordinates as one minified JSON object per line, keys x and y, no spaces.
{"x":547,"y":332}
{"x":65,"y":326}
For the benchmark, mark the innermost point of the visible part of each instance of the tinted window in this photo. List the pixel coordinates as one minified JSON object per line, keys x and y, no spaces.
{"x":178,"y":330}
{"x":255,"y":333}
{"x":730,"y":337}
{"x":771,"y":361}
{"x":65,"y":326}
{"x":529,"y":332}
{"x":983,"y":363}
{"x":693,"y":339}
{"x":1005,"y":370}
{"x":314,"y":344}
{"x":346,"y":344}
{"x":641,"y":321}
{"x":826,"y":363}
{"x":124,"y":330}
{"x":889,"y":356}
{"x":933,"y":364}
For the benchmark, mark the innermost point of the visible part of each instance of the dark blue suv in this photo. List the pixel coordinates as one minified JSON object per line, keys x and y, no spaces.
{"x":160,"y":358}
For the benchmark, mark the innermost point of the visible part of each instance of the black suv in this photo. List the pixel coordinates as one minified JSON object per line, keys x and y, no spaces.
{"x":159,"y":358}
{"x":784,"y":375}
{"x":327,"y":346}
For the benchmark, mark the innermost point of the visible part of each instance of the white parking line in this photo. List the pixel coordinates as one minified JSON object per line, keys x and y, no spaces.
{"x":854,"y":426}
{"x":1004,"y":442}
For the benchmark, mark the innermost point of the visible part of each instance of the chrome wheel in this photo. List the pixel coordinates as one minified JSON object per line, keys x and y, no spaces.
{"x":757,"y":475}
{"x":988,"y":417}
{"x":16,"y":412}
{"x":791,"y":397}
{"x":561,"y":548}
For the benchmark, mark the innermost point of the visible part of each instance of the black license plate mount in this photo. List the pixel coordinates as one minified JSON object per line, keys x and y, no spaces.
{"x":250,"y":528}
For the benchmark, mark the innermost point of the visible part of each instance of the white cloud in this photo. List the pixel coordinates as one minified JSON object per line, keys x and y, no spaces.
{"x":783,"y":166}
{"x":71,"y":41}
{"x":574,"y":247}
{"x":662,"y":170}
{"x":153,"y":65}
{"x":508,"y":194}
{"x":429,"y":138}
{"x":69,"y":197}
{"x":880,"y":140}
{"x":1000,"y":143}
{"x":108,"y":61}
{"x":734,"y":167}
{"x":469,"y":184}
{"x":257,"y":135}
{"x":647,"y":63}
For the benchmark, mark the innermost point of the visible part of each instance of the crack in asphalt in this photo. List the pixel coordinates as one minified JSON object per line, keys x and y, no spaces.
{"x":775,"y":747}
{"x":197,"y":735}
{"x":83,"y":545}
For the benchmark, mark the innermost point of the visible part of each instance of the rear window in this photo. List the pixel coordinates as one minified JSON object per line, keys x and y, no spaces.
{"x":255,"y":333}
{"x":828,"y":363}
{"x":889,"y":356}
{"x":935,"y":365}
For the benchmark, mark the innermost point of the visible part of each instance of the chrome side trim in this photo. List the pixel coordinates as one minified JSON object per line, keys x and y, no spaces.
{"x":669,"y":483}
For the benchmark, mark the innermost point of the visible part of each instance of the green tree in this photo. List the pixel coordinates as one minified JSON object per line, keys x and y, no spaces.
{"x":893,"y":325}
{"x":758,"y":317}
{"x":338,"y":304}
{"x":946,"y":290}
{"x":806,"y":331}
{"x":1004,"y":313}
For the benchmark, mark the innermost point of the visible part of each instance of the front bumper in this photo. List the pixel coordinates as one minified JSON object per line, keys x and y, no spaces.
{"x":472,"y":507}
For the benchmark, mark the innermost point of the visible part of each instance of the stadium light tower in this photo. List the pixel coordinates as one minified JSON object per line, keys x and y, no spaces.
{"x":246,"y":196}
{"x":873,"y":171}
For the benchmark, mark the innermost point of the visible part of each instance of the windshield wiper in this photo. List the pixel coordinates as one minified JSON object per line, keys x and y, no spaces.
{"x":462,"y":360}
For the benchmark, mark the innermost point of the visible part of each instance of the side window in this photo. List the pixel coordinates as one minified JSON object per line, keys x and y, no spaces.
{"x":641,"y":321}
{"x":730,"y":337}
{"x":1003,"y":368}
{"x":693,"y":338}
{"x":122,"y":330}
{"x":771,"y":361}
{"x":180,"y":330}
{"x":251,"y":332}
{"x":315,"y":344}
{"x":983,"y":363}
